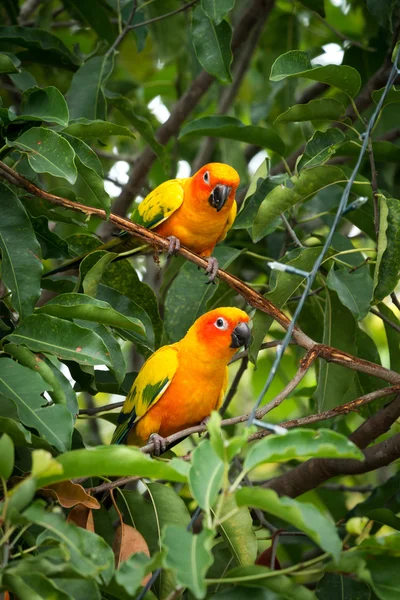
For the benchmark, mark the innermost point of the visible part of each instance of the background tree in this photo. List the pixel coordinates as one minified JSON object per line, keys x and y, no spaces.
{"x":102,"y":100}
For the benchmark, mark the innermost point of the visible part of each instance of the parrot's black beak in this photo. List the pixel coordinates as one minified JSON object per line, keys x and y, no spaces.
{"x":241,"y":336}
{"x":219,"y":196}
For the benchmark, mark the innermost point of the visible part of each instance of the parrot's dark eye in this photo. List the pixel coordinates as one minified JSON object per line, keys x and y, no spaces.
{"x":221,"y":323}
{"x":206,"y":177}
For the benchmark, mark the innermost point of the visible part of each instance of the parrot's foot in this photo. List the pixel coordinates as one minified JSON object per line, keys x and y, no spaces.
{"x":174,"y":245}
{"x":160,"y":443}
{"x":212,"y":269}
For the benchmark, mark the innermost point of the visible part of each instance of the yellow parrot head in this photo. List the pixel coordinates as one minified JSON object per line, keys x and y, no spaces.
{"x":215,"y":183}
{"x":222,"y":331}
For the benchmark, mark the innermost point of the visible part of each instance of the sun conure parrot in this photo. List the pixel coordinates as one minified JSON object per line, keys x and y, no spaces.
{"x":195,"y":211}
{"x":179,"y":385}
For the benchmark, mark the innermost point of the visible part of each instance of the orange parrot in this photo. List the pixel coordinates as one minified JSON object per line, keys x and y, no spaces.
{"x":179,"y":385}
{"x":196,"y":211}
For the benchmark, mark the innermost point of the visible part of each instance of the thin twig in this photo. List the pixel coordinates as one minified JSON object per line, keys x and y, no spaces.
{"x":104,"y":487}
{"x":395,"y":300}
{"x":165,"y":16}
{"x":291,"y":231}
{"x":305,"y":365}
{"x":125,"y":31}
{"x":116,"y":157}
{"x":374,"y":186}
{"x":341,"y":36}
{"x":385,"y":319}
{"x":235,"y":384}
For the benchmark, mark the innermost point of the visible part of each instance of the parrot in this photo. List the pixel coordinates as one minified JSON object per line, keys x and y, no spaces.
{"x":195,"y":211}
{"x":182,"y":383}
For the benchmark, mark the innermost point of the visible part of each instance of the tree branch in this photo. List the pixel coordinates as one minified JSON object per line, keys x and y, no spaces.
{"x":316,"y":471}
{"x":125,"y":31}
{"x":251,"y":296}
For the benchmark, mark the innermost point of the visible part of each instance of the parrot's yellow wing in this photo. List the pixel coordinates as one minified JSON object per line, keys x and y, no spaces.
{"x":229,"y":223}
{"x":150,"y":384}
{"x":159,"y":205}
{"x":222,"y":394}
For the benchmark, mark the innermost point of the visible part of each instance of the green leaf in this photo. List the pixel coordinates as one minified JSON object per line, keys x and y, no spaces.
{"x":283,"y":286}
{"x":21,"y":265}
{"x":383,"y":151}
{"x":128,"y":307}
{"x":118,"y":362}
{"x":86,"y":129}
{"x":385,"y":516}
{"x":384,"y":576}
{"x":81,"y":306}
{"x":387,"y":268}
{"x":232,"y":129}
{"x":354,"y":289}
{"x":41,"y":365}
{"x":206,"y":475}
{"x":94,"y":275}
{"x":66,"y":340}
{"x":392,"y":97}
{"x":339,"y":332}
{"x":86,"y":155}
{"x":320,"y":148}
{"x":132,"y":571}
{"x":44,"y":104}
{"x":334,"y":586}
{"x":150,"y":516}
{"x":45,"y":46}
{"x":33,"y":586}
{"x":238,"y":532}
{"x":47,"y":152}
{"x":51,"y":244}
{"x":301,"y":444}
{"x":297,"y":64}
{"x":302,"y":515}
{"x":392,"y":337}
{"x":188,"y":295}
{"x":24,"y":387}
{"x":6,"y":456}
{"x":216,"y":10}
{"x":88,"y":552}
{"x":317,"y":5}
{"x":91,"y":186}
{"x":85,"y":96}
{"x":189,"y":556}
{"x":323,"y":109}
{"x":21,"y":436}
{"x":302,"y":188}
{"x":96,"y":15}
{"x":9,"y":63}
{"x":122,"y":277}
{"x":103,"y":461}
{"x":263,"y":586}
{"x":212,"y":44}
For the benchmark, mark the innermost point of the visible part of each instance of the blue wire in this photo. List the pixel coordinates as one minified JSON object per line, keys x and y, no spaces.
{"x":311,"y":276}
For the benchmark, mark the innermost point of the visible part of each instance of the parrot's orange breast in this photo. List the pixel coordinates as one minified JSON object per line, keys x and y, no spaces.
{"x":197,"y":228}
{"x":189,"y":399}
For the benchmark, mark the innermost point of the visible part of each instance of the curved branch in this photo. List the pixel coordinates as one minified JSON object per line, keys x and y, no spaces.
{"x":251,"y":296}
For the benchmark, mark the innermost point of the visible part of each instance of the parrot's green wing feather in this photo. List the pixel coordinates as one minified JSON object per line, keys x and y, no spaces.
{"x":159,"y":205}
{"x":148,"y":387}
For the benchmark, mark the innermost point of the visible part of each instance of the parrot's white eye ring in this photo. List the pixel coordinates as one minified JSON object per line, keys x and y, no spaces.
{"x":206,"y":177}
{"x":221,"y":324}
